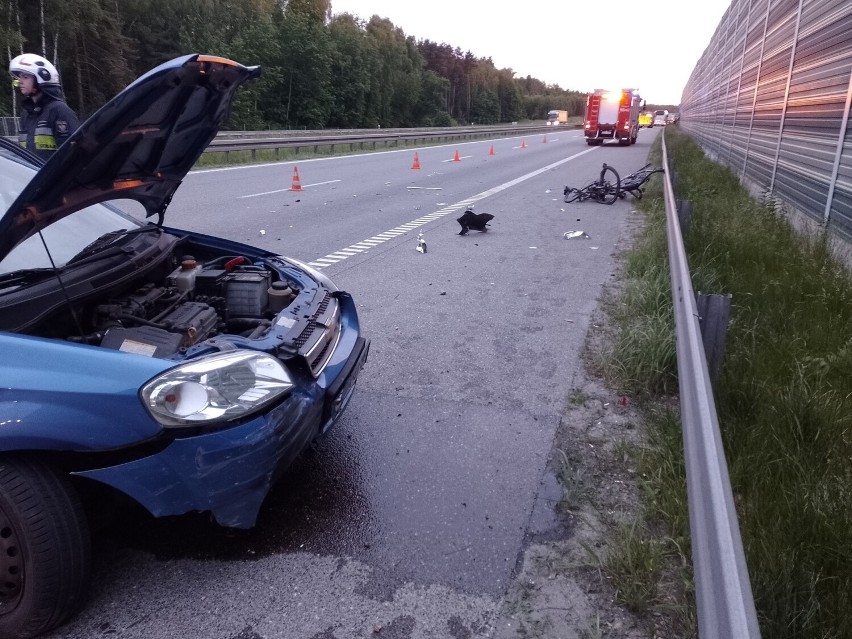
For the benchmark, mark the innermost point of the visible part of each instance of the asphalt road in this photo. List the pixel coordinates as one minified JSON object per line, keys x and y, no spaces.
{"x":409,"y":518}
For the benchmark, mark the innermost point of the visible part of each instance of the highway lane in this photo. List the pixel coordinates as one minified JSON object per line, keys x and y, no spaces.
{"x":344,"y":201}
{"x":410,"y":517}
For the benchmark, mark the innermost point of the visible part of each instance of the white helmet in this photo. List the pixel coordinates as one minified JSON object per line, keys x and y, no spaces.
{"x":35,"y":65}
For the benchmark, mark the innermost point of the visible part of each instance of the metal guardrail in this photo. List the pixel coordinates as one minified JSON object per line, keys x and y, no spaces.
{"x":350,"y":140}
{"x":722,"y":588}
{"x":371,"y":139}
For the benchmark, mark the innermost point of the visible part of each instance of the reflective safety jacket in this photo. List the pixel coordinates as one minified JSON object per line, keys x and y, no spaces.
{"x":46,"y":122}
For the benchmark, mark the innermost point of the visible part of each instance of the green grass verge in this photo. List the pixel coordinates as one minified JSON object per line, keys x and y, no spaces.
{"x":784,"y":396}
{"x":215,"y":159}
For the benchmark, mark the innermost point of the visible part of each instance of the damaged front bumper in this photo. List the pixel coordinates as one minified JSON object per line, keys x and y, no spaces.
{"x":230,"y":472}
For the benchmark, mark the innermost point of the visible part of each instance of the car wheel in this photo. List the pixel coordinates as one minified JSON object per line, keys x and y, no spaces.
{"x":45,"y":551}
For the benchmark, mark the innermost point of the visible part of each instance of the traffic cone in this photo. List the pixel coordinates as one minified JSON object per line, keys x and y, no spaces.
{"x":297,"y":185}
{"x":491,"y":150}
{"x":416,"y":164}
{"x":523,"y":144}
{"x":456,"y":157}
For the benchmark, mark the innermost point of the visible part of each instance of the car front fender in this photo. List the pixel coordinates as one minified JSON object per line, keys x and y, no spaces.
{"x":62,"y":396}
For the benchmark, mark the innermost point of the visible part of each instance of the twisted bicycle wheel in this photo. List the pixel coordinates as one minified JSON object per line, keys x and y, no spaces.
{"x":609,"y":185}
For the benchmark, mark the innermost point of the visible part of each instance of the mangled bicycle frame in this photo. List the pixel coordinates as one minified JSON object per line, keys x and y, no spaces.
{"x":610,"y":186}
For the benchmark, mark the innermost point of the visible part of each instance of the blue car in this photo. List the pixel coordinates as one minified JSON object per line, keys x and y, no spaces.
{"x":180,"y":370}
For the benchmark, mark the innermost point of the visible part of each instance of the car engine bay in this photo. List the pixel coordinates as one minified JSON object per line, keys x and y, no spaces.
{"x":158,"y":296}
{"x":194,"y":303}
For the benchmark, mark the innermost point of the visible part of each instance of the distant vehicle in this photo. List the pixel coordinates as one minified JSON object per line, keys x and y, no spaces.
{"x":660,"y":116}
{"x":612,"y":115}
{"x":646,"y":120}
{"x":556,"y":118}
{"x":671,"y":118}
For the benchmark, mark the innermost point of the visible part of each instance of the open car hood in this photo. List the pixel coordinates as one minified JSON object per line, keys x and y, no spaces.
{"x":139,"y":145}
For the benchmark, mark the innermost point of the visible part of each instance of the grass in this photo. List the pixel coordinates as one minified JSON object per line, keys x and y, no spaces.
{"x":212,"y":159}
{"x":784,"y":396}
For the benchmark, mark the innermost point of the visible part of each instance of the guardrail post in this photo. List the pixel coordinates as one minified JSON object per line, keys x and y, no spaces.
{"x":714,"y":312}
{"x":684,"y":214}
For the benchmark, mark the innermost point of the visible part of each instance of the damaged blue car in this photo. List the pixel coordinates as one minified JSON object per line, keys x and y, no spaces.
{"x":181,"y":370}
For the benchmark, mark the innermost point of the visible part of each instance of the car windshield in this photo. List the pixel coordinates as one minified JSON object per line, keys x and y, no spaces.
{"x":66,"y":237}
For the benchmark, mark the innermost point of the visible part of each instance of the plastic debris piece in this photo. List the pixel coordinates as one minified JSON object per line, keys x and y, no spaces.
{"x":421,"y":243}
{"x":262,"y":232}
{"x":576,"y":235}
{"x":476,"y":221}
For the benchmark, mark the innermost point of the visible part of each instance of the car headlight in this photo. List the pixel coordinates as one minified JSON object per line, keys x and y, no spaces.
{"x":222,"y":387}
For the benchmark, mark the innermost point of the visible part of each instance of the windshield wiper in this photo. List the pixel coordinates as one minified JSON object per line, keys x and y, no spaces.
{"x":105,"y":240}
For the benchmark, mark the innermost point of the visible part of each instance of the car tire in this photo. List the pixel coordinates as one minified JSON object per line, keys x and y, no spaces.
{"x":45,"y":549}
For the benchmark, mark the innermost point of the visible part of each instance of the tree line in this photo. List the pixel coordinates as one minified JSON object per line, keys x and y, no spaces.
{"x":319,"y":70}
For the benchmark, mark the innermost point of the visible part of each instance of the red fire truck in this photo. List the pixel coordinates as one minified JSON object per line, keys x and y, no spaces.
{"x":613,"y":115}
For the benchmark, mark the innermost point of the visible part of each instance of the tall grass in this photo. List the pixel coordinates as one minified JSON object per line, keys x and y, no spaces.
{"x":784,"y":396}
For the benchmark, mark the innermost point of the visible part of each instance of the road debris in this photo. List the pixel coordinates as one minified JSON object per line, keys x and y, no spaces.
{"x":476,"y":221}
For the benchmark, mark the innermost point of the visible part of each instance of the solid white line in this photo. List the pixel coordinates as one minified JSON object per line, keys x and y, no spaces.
{"x":264,"y":193}
{"x":397,"y":231}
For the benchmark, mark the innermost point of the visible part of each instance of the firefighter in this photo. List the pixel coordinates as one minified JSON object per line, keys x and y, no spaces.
{"x":46,"y":119}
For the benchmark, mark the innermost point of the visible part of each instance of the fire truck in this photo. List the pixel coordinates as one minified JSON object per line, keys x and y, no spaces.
{"x":613,"y":115}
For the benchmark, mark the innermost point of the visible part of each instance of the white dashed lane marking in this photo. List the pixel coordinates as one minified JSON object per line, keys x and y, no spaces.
{"x":364,"y":245}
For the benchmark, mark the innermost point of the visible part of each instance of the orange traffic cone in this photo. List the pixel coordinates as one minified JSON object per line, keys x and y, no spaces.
{"x":456,"y":157}
{"x":297,"y":185}
{"x":416,"y":164}
{"x":523,"y":144}
{"x":491,"y":150}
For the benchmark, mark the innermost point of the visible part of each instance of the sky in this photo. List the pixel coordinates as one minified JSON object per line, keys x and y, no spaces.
{"x":649,"y":46}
